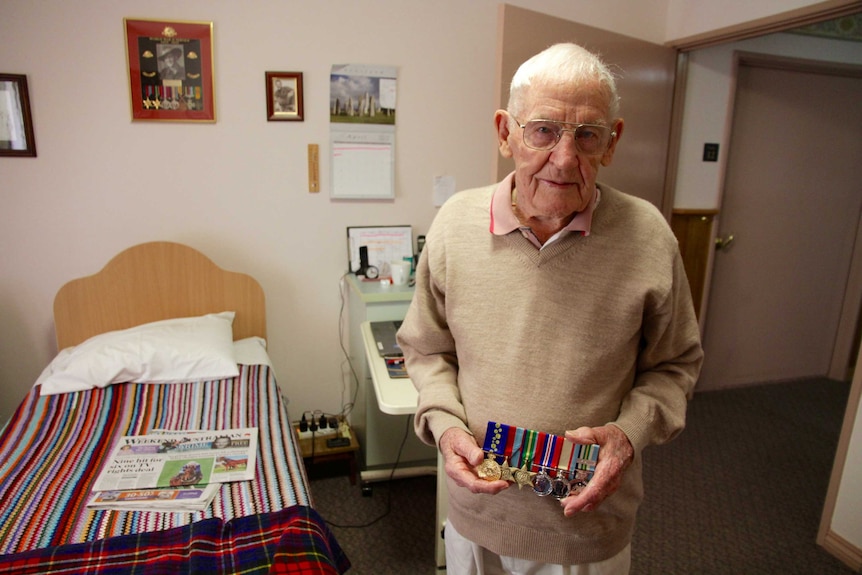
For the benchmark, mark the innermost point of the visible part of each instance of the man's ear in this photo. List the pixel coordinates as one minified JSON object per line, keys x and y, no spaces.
{"x":608,"y":156}
{"x":501,"y":121}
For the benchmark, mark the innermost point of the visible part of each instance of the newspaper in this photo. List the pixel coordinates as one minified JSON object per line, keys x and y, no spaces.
{"x":174,"y":470}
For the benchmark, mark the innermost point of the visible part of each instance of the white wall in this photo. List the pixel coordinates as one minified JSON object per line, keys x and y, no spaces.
{"x":236,"y":189}
{"x":848,"y":504}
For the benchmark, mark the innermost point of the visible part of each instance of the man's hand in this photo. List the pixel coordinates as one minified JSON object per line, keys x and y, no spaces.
{"x":461,"y":456}
{"x":615,"y":455}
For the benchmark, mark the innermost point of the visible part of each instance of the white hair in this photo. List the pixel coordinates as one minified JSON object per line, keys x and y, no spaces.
{"x":564,"y":63}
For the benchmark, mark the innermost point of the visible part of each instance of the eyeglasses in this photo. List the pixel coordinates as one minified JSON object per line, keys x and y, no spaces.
{"x":590,"y":139}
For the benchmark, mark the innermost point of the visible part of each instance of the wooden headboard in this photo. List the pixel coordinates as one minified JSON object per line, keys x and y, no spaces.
{"x":151,"y":282}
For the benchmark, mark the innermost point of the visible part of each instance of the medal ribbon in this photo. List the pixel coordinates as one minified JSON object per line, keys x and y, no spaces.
{"x":542,"y":451}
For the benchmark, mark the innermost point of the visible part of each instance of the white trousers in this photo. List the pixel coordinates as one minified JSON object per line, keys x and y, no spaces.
{"x":463,"y":557}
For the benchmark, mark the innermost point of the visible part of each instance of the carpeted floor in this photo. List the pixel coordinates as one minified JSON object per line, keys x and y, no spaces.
{"x":739,"y":492}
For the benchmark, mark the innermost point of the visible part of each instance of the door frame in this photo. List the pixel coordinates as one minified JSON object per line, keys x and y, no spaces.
{"x":781,"y":22}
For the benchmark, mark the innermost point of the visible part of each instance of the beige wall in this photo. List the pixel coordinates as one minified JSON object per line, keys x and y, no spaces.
{"x":237,"y":189}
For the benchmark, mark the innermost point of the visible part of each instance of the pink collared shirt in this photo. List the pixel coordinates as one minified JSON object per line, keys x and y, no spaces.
{"x":504,"y":221}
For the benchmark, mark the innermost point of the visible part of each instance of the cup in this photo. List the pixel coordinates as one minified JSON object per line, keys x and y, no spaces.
{"x":400,"y":272}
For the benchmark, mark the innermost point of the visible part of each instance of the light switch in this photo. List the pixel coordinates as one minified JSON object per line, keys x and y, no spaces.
{"x":710,"y":152}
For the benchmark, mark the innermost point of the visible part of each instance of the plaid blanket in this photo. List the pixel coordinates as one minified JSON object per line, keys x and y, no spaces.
{"x":291,"y":541}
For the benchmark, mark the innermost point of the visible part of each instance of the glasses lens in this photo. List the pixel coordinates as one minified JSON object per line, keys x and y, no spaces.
{"x":544,"y":135}
{"x":591,"y":139}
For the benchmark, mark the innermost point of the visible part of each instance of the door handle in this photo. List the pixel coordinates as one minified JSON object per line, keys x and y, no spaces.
{"x":723,"y":243}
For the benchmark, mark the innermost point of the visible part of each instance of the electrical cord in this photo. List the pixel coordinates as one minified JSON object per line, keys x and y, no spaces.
{"x":388,"y":481}
{"x":348,"y":407}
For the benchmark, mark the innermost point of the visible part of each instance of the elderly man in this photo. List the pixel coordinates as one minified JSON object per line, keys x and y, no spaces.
{"x":550,"y":302}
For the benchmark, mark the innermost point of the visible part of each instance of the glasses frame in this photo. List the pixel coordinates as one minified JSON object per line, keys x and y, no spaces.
{"x":612,"y":134}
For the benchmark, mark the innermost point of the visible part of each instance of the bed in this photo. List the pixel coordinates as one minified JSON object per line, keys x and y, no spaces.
{"x":193,"y":338}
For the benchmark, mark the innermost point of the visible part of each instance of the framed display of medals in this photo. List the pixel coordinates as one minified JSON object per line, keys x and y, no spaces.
{"x":16,"y":123}
{"x":284,"y":96}
{"x":170,"y":70}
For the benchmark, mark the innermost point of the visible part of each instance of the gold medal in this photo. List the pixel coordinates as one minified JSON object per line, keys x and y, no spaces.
{"x":506,"y":471}
{"x":522,"y":477}
{"x":489,"y":469}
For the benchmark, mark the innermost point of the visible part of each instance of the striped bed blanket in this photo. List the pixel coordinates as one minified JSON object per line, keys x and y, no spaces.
{"x":52,"y":448}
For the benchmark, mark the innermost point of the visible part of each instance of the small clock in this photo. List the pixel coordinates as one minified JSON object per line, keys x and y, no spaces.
{"x":371,"y":272}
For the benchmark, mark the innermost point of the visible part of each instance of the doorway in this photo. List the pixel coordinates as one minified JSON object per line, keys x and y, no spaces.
{"x":792,"y":201}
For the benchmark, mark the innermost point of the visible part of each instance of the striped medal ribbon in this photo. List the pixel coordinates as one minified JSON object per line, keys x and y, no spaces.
{"x":547,"y":462}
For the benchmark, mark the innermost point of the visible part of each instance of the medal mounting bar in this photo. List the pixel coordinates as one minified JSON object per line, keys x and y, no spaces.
{"x":549,"y":463}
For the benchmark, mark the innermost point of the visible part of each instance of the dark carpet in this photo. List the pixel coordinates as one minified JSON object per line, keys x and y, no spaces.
{"x":740,"y":491}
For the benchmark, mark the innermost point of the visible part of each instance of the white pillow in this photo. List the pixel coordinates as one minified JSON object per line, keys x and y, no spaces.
{"x":251,"y":351}
{"x":168,"y":351}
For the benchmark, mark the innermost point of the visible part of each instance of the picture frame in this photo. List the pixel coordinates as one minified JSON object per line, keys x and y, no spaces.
{"x":284,"y":101}
{"x":171,"y":70}
{"x":16,"y":121}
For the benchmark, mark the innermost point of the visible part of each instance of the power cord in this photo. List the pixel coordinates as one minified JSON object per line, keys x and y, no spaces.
{"x":346,"y":408}
{"x":388,"y":481}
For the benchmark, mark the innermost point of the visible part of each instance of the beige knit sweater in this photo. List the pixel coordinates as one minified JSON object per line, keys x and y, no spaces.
{"x":591,"y":330}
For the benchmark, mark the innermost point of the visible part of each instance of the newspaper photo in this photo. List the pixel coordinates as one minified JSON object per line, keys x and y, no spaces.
{"x":179,"y":459}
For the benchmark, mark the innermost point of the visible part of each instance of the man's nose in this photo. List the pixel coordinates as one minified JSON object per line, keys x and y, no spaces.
{"x":566,"y":150}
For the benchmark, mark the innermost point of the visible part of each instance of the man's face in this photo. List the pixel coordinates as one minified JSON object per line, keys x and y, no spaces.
{"x":556,"y":183}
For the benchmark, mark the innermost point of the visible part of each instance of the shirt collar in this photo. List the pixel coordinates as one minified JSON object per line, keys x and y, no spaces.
{"x":504,"y":221}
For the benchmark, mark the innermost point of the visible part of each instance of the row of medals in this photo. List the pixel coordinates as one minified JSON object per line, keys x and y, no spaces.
{"x":168,"y":104}
{"x":171,"y":100}
{"x":542,"y":483}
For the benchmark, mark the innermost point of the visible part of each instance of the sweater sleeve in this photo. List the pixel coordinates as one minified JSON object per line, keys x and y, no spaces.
{"x":668,"y":365}
{"x":429,"y":347}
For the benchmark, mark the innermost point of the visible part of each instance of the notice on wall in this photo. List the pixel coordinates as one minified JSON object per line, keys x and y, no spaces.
{"x":384,"y":244}
{"x":362,"y":131}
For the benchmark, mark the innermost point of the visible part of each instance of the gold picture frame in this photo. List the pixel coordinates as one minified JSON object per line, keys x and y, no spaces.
{"x":171,"y":70}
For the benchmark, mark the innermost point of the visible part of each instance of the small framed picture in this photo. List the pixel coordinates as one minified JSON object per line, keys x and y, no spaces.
{"x":284,"y":96}
{"x":16,"y":122}
{"x":170,"y":70}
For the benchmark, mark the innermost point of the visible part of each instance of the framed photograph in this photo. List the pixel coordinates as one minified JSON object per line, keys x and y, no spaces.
{"x":284,"y":96}
{"x":171,"y":70}
{"x":16,"y":122}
